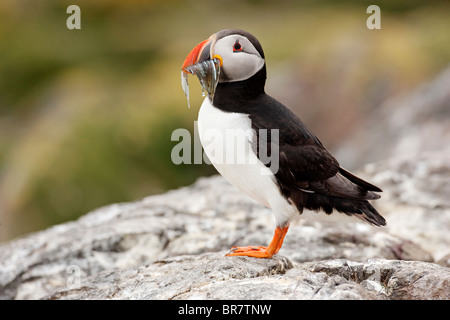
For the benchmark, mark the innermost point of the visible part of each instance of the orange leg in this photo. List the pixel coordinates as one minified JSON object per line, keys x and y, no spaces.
{"x":262,"y":252}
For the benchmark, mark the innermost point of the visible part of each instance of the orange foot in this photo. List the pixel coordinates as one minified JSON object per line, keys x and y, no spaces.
{"x":250,"y":251}
{"x":262,"y":252}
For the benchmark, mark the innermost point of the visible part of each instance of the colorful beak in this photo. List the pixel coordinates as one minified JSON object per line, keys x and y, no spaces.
{"x":194,"y":56}
{"x":200,"y":62}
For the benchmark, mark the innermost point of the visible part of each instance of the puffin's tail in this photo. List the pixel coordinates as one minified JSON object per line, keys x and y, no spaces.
{"x":345,"y":193}
{"x":360,"y":209}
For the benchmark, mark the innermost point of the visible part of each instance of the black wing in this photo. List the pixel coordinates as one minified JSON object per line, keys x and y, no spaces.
{"x":300,"y":150}
{"x":308,"y":174}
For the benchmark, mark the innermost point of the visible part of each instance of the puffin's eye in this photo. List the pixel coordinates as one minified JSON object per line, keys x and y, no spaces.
{"x":237,"y":46}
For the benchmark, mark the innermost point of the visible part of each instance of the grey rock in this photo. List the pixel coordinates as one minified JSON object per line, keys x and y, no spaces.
{"x":173,"y":246}
{"x":403,"y":126}
{"x":393,"y":279}
{"x":180,"y":277}
{"x":445,"y":261}
{"x":213,"y":276}
{"x":416,"y":199}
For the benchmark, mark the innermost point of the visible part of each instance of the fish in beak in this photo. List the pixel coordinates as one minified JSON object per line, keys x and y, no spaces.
{"x":202,"y":63}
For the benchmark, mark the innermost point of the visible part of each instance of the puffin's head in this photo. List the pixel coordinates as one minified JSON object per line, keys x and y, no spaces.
{"x":229,"y":55}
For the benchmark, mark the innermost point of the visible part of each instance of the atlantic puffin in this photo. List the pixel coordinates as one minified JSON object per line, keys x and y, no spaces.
{"x":231,"y":68}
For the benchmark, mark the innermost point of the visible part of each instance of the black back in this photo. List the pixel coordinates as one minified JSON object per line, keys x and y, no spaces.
{"x":308,"y":175}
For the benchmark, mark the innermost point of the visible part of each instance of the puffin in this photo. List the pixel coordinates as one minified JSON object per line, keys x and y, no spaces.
{"x":240,"y":127}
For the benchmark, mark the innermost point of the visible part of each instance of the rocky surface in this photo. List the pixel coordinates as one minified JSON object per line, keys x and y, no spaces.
{"x":403,"y":126}
{"x":213,"y":276}
{"x":172,"y":246}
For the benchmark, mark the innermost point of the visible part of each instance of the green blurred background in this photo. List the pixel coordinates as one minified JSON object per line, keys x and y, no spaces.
{"x":86,"y":115}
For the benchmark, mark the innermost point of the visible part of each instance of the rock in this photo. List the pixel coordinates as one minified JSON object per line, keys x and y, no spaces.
{"x":213,"y":276}
{"x":393,"y":279}
{"x":172,"y":246}
{"x":416,"y":199}
{"x":445,"y":261}
{"x":403,"y":126}
{"x":209,"y":275}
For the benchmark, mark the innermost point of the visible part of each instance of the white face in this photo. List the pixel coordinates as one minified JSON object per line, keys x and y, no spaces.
{"x":240,"y":58}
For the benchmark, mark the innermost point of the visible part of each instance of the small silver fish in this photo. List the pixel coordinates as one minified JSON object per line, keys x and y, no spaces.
{"x":207,"y":72}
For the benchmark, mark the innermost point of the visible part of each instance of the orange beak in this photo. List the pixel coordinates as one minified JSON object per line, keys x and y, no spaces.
{"x":194,"y":56}
{"x":201,"y":63}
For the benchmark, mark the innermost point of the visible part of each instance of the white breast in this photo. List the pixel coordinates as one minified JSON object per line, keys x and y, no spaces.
{"x":227,"y":140}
